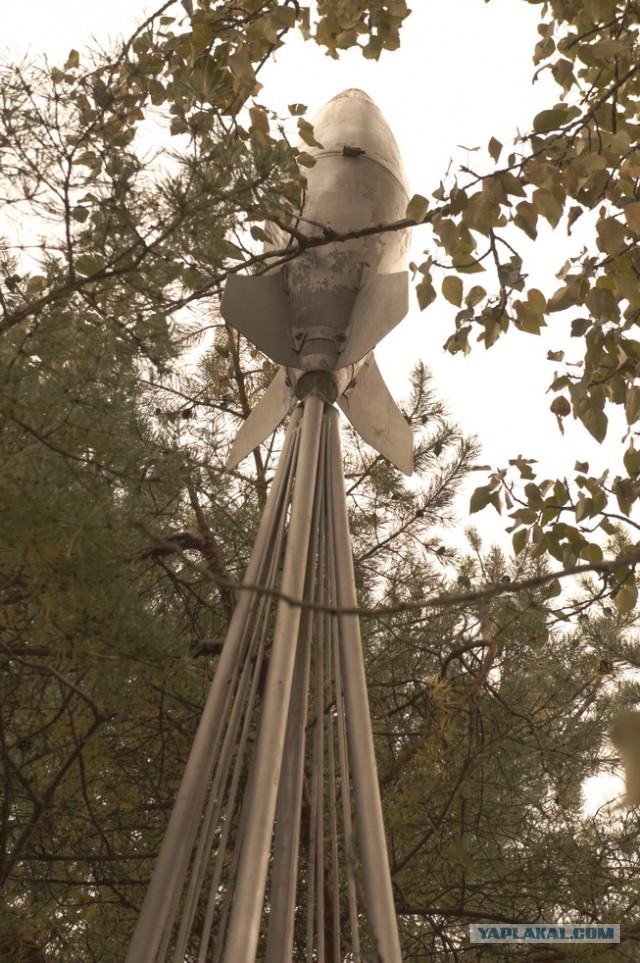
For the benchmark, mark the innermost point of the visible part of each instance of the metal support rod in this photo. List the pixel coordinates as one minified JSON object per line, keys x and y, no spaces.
{"x":227,"y":849}
{"x":171,"y":865}
{"x":284,"y":875}
{"x":373,"y":847}
{"x":220,"y":807}
{"x":343,"y":752}
{"x":244,"y":926}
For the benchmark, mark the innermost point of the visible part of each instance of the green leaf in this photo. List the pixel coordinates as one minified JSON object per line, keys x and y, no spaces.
{"x":592,"y":553}
{"x":602,"y":304}
{"x":607,"y":49}
{"x":625,"y":492}
{"x":226,"y":248}
{"x":524,"y":466}
{"x":580,"y":326}
{"x":573,"y":216}
{"x":459,"y":341}
{"x":511,"y":184}
{"x":607,"y":526}
{"x":632,"y":405}
{"x":495,"y":148}
{"x":258,"y":234}
{"x":482,"y":497}
{"x":631,"y":461}
{"x":594,"y":420}
{"x":519,"y":540}
{"x":526,"y":218}
{"x":452,"y":289}
{"x":88,"y":264}
{"x":563,"y":75}
{"x":564,"y":298}
{"x":417,"y":208}
{"x":548,"y":120}
{"x":583,"y":507}
{"x":475,"y":296}
{"x":201,"y":34}
{"x":548,"y":205}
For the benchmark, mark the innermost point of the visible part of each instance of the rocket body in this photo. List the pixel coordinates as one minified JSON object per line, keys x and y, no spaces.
{"x":358,"y":181}
{"x":326,"y":310}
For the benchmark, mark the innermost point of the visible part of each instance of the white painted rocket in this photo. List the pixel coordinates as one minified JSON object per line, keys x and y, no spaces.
{"x":320,"y":316}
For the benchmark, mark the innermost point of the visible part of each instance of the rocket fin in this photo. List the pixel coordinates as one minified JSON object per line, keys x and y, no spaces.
{"x":258,"y":307}
{"x":381,"y":303}
{"x":275,"y":404}
{"x":377,"y":418}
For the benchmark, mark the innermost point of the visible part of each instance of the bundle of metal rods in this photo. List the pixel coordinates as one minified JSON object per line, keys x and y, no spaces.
{"x":275,"y":848}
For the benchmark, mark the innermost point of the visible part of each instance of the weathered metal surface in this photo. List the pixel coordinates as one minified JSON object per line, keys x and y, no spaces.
{"x":358,"y":182}
{"x":328,"y":308}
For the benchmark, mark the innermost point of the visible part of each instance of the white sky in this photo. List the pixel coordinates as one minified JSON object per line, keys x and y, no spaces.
{"x":462,"y":75}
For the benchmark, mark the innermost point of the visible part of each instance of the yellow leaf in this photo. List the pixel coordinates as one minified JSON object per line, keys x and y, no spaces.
{"x":602,"y":304}
{"x":426,"y":293}
{"x":259,"y":120}
{"x":73,"y":60}
{"x":466,"y":263}
{"x":306,"y":133}
{"x":417,"y":208}
{"x":201,"y":35}
{"x":475,"y":296}
{"x":626,"y":598}
{"x":632,"y":216}
{"x":612,"y":235}
{"x":548,"y":205}
{"x":452,"y":289}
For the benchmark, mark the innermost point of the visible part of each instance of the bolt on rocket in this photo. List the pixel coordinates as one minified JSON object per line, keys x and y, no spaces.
{"x":320,"y":316}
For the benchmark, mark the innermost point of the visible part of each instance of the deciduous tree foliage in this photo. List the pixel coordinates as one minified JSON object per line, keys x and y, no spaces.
{"x":576,"y":170}
{"x":131,"y":184}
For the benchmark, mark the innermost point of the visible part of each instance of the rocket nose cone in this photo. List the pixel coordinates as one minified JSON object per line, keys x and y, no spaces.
{"x":352,"y":119}
{"x":352,"y":93}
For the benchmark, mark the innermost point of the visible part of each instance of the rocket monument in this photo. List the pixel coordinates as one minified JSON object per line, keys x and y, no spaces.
{"x":321,"y":315}
{"x":275,"y":849}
